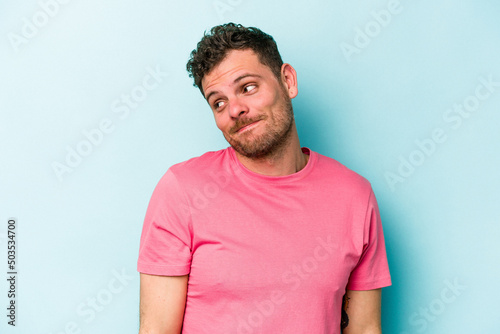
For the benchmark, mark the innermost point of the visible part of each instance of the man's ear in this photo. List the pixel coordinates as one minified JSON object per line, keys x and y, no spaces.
{"x":289,"y":79}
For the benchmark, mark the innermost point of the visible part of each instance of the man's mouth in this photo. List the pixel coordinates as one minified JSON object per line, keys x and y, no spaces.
{"x":247,"y":126}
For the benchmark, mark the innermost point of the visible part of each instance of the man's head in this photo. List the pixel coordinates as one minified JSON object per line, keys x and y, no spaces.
{"x":215,"y":45}
{"x":250,"y":99}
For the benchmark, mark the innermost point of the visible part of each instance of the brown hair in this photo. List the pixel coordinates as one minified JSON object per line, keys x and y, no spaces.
{"x":215,"y":45}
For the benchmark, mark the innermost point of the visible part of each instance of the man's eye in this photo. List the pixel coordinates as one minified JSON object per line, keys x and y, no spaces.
{"x":218,"y":104}
{"x":249,"y":88}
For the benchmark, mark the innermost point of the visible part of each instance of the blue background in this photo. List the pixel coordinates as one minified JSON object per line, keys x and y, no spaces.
{"x":367,"y":107}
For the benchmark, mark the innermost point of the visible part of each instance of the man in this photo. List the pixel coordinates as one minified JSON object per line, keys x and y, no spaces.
{"x":263,"y":236}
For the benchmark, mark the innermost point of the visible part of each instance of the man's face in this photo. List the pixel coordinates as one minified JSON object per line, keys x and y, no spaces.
{"x":252,"y":108}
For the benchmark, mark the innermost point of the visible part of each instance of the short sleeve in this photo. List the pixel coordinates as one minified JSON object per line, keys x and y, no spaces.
{"x":372,"y":270}
{"x":165,"y":247}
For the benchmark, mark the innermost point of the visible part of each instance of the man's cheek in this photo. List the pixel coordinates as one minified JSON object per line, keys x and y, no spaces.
{"x":220,"y":125}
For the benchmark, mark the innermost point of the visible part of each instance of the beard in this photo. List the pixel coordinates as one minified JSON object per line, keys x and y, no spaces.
{"x":277,"y":132}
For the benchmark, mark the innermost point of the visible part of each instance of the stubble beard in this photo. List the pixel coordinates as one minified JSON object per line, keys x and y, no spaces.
{"x":272,"y":141}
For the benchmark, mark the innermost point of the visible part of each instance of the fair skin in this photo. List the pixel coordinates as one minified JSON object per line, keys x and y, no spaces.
{"x":249,"y":103}
{"x":241,"y":87}
{"x":162,"y":302}
{"x":364,"y":312}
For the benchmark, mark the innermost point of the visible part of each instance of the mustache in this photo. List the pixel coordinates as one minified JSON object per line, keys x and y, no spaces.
{"x":244,"y":122}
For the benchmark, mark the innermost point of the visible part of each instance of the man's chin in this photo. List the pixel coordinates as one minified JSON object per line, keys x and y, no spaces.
{"x":253,"y":151}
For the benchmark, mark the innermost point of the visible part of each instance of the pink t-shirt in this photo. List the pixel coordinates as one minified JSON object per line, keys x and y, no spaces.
{"x":264,"y":254}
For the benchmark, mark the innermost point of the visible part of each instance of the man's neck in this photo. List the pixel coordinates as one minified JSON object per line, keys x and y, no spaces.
{"x":288,"y":160}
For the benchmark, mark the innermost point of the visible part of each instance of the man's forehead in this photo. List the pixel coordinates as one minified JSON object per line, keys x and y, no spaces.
{"x":236,"y":63}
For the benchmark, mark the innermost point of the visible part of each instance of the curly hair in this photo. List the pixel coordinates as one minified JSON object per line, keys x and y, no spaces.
{"x":215,"y":45}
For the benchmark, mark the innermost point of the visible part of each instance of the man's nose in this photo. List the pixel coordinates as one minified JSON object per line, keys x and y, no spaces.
{"x":237,"y":108}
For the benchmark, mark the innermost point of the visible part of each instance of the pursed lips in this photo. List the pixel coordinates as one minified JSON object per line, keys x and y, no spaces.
{"x":244,"y":127}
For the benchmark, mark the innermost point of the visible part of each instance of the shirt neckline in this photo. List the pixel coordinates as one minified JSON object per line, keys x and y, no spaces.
{"x":239,"y":167}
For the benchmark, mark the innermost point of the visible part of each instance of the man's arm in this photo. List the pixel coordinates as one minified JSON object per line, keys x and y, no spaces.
{"x":163,"y":299}
{"x":361,"y":312}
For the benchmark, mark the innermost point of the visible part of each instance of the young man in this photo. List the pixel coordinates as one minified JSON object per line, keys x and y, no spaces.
{"x":263,"y":236}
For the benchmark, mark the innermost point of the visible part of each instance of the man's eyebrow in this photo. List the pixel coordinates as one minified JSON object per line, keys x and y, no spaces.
{"x":241,"y":77}
{"x":238,"y":79}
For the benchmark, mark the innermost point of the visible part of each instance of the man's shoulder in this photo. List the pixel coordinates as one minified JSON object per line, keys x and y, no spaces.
{"x":199,"y":165}
{"x":336,"y":172}
{"x":194,"y":171}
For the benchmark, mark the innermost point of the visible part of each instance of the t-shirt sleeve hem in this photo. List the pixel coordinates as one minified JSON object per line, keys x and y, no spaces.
{"x":360,"y":286}
{"x":154,"y":269}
